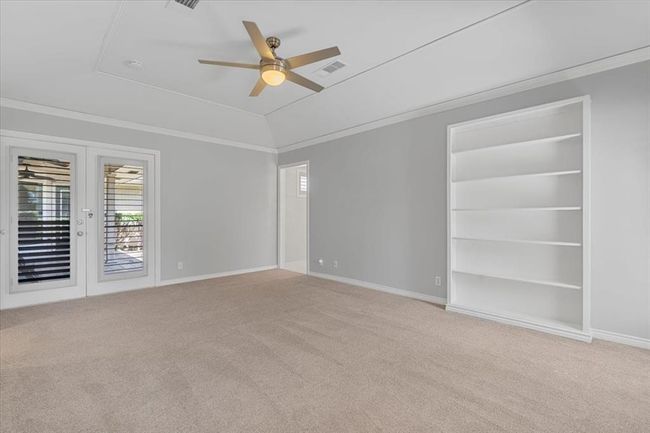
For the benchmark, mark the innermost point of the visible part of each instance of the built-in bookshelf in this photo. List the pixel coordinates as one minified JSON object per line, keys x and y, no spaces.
{"x":518,"y":218}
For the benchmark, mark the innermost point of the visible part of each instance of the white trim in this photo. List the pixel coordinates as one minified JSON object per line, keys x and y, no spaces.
{"x":10,"y":133}
{"x":586,"y":213}
{"x":562,"y":331}
{"x":216,"y":275}
{"x":381,"y":288}
{"x":615,"y":337}
{"x":85,"y":117}
{"x":616,"y":61}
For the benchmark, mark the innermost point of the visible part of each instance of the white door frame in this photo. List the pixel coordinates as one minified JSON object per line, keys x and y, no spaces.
{"x":97,"y":282}
{"x":11,"y":295}
{"x":280,"y":230}
{"x":11,"y":138}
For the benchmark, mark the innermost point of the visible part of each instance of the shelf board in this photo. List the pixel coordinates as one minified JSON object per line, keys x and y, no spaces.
{"x":557,"y":327}
{"x":521,"y":280}
{"x":552,"y":139}
{"x":499,"y":209}
{"x":514,"y":176}
{"x":520,"y":241}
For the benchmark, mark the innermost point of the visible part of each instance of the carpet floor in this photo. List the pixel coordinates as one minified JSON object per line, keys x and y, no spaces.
{"x":278,"y":352}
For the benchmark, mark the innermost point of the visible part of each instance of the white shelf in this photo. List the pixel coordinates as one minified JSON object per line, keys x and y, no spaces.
{"x":500,"y":209}
{"x":520,"y":241}
{"x":518,"y":218}
{"x":521,"y":280}
{"x":514,"y":176}
{"x":553,"y":139}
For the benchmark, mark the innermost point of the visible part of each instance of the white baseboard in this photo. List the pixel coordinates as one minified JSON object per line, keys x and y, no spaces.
{"x":217,"y":275}
{"x":550,"y":328}
{"x":381,"y":288}
{"x":630,"y":340}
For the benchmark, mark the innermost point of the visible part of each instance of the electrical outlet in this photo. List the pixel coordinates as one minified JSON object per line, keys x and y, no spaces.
{"x":335,"y":264}
{"x":179,"y":265}
{"x":438,"y":280}
{"x":321,"y":262}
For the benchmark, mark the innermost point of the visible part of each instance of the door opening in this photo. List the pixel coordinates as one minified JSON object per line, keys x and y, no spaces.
{"x":293,"y":218}
{"x":76,"y":220}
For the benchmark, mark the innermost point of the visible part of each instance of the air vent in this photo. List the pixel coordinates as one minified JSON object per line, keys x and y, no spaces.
{"x":331,"y":68}
{"x":188,"y":3}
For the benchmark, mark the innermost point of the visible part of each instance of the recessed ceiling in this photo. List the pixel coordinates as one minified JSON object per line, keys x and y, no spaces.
{"x":168,"y":41}
{"x":400,"y":56}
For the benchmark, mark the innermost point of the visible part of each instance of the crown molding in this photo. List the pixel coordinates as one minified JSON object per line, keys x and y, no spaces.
{"x":612,"y":62}
{"x":69,"y":114}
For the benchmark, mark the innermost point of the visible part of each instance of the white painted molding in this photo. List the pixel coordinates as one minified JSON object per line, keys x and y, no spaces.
{"x":616,"y":61}
{"x":615,"y":337}
{"x":10,"y":133}
{"x":85,"y":117}
{"x":217,"y":275}
{"x":524,"y":323}
{"x":381,"y":288}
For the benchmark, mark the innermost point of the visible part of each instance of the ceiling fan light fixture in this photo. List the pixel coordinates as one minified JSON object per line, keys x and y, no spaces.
{"x":273,"y":75}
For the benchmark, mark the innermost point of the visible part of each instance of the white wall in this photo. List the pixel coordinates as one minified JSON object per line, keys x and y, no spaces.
{"x":218,"y":204}
{"x":378,"y":198}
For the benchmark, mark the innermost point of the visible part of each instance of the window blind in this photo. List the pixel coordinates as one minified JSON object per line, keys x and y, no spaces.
{"x":123,"y":218}
{"x":43,"y":219}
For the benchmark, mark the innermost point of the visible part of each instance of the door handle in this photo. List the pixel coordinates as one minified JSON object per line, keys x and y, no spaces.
{"x":80,"y":233}
{"x":88,"y":211}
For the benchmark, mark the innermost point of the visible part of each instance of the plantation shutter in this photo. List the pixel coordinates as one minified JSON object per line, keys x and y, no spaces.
{"x":43,"y":219}
{"x":123,"y":204}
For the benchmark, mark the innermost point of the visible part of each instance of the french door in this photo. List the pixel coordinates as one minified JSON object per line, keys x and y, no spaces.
{"x":120,"y":235}
{"x":75,"y":221}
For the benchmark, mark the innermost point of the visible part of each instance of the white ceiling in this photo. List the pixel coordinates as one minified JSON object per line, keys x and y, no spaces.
{"x":72,"y":54}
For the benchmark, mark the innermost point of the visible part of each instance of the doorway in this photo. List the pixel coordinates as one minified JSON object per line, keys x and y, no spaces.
{"x":77,"y":220}
{"x":293,"y":217}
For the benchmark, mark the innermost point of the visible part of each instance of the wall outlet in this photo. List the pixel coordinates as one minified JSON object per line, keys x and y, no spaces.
{"x":438,"y":280}
{"x":335,"y":264}
{"x":321,"y":262}
{"x":179,"y":265}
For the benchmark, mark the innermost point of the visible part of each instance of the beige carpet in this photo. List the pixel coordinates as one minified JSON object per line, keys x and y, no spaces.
{"x":279,"y":352}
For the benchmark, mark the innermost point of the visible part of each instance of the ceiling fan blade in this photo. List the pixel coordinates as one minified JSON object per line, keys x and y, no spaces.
{"x":302,"y":81}
{"x":314,"y":56}
{"x":231,"y":64}
{"x":258,"y":40}
{"x":259,"y":86}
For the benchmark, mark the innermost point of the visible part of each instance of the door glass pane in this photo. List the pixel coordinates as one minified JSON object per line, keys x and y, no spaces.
{"x":123,"y":218}
{"x":43,"y":219}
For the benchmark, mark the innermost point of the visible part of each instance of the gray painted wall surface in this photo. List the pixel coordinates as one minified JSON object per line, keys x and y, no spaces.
{"x":378,"y":199}
{"x":218,"y":204}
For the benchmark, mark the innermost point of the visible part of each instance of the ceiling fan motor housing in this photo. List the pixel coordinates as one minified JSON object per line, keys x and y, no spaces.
{"x":273,"y":42}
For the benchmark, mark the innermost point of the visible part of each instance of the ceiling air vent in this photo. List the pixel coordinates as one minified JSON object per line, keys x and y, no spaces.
{"x":188,"y":3}
{"x":331,"y":68}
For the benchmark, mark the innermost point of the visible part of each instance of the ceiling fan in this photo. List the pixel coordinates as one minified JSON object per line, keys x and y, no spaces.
{"x":273,"y":69}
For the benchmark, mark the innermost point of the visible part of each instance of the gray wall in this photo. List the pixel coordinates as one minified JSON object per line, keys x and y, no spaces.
{"x":218,"y":205}
{"x":378,"y":199}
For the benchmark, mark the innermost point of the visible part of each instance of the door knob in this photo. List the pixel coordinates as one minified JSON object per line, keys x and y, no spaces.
{"x":80,"y":233}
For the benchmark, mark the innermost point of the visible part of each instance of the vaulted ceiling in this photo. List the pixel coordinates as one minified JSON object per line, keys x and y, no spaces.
{"x":399,"y":56}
